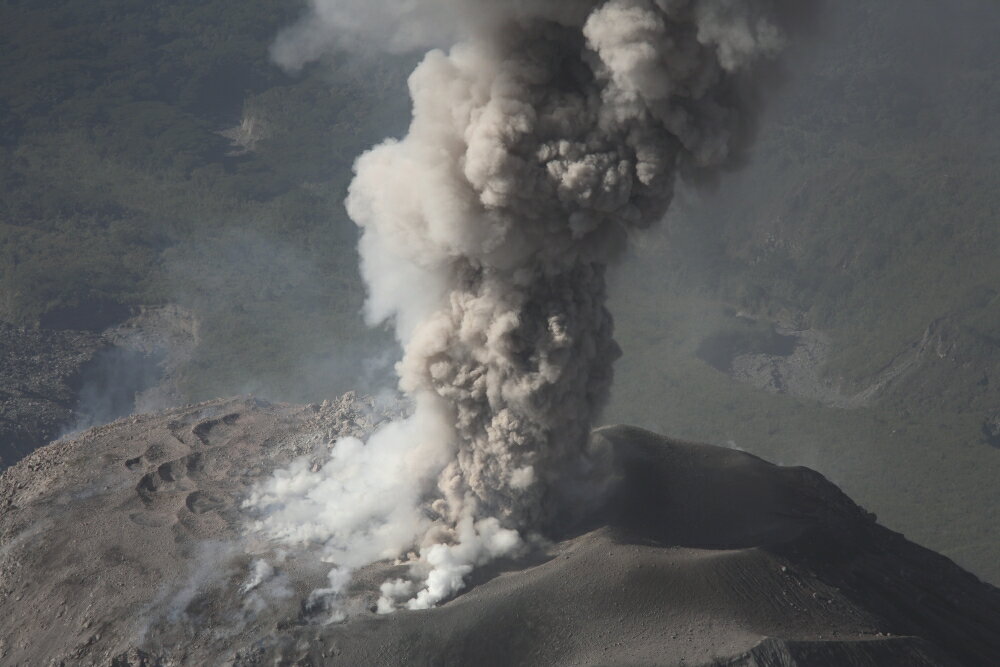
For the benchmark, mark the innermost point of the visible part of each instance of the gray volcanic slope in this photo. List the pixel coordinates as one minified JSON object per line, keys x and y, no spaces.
{"x":128,"y":547}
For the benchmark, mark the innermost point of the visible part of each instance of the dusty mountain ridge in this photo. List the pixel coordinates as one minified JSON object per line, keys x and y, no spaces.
{"x":128,"y":546}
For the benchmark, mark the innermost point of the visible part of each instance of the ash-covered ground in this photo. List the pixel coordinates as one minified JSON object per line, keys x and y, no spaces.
{"x":130,"y":545}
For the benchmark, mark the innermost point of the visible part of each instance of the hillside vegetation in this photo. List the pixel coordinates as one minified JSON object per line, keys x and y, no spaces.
{"x":151,"y":153}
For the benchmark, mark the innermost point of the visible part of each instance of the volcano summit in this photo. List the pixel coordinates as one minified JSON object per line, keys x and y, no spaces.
{"x":131,"y":545}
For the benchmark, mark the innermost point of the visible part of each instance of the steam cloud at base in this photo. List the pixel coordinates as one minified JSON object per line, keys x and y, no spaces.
{"x":548,"y":132}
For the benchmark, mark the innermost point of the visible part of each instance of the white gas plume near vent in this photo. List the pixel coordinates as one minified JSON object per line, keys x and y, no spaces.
{"x":544,"y":134}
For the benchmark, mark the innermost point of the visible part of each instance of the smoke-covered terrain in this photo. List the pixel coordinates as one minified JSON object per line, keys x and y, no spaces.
{"x":863,"y":223}
{"x":541,"y":138}
{"x":771,"y":226}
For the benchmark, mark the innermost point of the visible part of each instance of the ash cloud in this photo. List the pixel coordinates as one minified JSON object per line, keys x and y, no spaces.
{"x":541,"y":139}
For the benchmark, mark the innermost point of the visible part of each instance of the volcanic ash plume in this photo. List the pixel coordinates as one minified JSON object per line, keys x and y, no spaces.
{"x":538,"y":141}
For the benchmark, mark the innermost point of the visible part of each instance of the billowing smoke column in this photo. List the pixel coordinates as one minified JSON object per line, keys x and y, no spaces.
{"x":535,"y":147}
{"x":547,"y":132}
